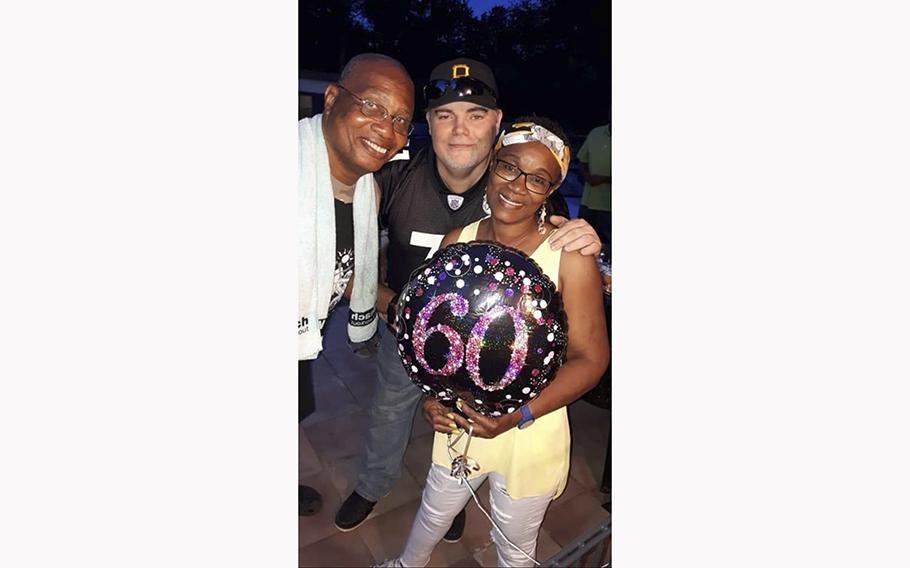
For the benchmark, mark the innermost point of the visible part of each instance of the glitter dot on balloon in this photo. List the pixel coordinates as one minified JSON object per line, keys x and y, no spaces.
{"x":550,"y":337}
{"x":491,"y":286}
{"x":478,"y":269}
{"x":543,"y":303}
{"x":526,"y":390}
{"x":460,"y":283}
{"x":537,"y":314}
{"x":535,"y":372}
{"x":509,"y":292}
{"x":442,"y":276}
{"x":476,"y":291}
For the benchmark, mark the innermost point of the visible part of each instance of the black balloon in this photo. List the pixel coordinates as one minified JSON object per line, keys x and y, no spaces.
{"x":482,"y":323}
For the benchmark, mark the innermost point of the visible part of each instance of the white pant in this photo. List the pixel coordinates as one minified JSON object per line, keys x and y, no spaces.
{"x":444,"y":497}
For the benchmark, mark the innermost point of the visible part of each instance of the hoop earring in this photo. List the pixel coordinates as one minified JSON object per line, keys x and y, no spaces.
{"x":541,"y":228}
{"x":485,"y":205}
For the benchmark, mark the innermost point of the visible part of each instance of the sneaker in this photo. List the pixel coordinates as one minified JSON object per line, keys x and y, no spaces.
{"x":309,"y":501}
{"x":353,"y":512}
{"x":457,"y":529}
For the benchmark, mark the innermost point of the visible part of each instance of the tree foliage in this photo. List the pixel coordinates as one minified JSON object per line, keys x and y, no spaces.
{"x":550,"y":57}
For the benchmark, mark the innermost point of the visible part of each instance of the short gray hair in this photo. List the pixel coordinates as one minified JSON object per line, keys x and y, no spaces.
{"x":358,"y":61}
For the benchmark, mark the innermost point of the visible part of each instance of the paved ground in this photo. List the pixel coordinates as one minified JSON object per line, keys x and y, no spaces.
{"x":331,"y":444}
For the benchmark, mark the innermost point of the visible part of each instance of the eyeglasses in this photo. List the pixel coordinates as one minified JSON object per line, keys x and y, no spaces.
{"x":462,"y":86}
{"x":534,"y":183}
{"x":372,"y":109}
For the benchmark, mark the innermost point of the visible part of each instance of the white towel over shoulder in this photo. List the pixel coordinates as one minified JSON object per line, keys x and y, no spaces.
{"x":316,"y":245}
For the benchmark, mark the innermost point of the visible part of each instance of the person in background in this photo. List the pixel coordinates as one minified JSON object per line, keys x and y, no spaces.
{"x":594,"y":158}
{"x":438,"y":189}
{"x":367,"y":120}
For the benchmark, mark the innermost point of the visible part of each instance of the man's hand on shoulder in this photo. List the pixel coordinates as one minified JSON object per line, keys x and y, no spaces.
{"x":575,"y":234}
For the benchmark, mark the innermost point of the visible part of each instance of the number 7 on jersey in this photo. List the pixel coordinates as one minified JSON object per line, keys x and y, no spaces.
{"x":431,"y":240}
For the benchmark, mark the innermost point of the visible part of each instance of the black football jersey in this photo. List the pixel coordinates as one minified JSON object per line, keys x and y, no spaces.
{"x":418,"y":210}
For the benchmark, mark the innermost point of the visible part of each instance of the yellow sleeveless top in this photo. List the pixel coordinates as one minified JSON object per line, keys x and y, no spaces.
{"x":534,"y":461}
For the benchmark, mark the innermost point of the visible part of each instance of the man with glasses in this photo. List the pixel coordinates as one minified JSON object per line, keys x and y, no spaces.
{"x":423,"y":198}
{"x":366,"y":121}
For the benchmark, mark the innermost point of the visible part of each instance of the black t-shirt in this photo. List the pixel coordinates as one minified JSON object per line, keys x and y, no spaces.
{"x":418,"y":210}
{"x":344,"y":251}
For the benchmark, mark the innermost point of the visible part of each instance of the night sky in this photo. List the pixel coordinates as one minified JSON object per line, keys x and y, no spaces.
{"x":481,"y":6}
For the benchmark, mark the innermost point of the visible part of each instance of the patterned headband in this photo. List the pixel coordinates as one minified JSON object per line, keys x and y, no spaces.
{"x":530,"y":132}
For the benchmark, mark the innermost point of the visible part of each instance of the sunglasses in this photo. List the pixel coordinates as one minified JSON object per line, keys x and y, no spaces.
{"x":462,"y":87}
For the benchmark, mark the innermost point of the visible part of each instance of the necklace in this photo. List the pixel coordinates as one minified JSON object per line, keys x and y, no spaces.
{"x":514,"y":245}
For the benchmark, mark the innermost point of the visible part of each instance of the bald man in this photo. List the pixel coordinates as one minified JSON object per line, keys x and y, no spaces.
{"x":366,"y":121}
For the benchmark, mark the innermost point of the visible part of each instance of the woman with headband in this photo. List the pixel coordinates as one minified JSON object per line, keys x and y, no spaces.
{"x":530,"y":161}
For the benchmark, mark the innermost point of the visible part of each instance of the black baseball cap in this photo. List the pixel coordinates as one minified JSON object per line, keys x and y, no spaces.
{"x":461,"y":79}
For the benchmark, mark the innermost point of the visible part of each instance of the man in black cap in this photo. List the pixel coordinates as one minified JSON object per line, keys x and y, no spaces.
{"x":438,"y":189}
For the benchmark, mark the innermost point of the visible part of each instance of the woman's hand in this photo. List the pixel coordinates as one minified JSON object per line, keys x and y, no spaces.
{"x":440,"y":418}
{"x":485,"y":426}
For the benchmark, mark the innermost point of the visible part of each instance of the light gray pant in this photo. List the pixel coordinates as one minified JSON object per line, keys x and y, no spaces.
{"x":444,"y":497}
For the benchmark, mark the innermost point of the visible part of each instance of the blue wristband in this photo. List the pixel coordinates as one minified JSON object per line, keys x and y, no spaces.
{"x":526,"y":417}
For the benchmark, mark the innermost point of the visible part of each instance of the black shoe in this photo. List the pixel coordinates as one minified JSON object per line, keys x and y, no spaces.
{"x":309,"y":501}
{"x":353,"y":512}
{"x":457,"y":528}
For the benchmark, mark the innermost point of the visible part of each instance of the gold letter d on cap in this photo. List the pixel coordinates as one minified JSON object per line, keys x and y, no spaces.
{"x":465,"y":70}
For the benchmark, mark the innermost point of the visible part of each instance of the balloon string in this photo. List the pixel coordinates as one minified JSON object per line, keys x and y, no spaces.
{"x":461,"y":466}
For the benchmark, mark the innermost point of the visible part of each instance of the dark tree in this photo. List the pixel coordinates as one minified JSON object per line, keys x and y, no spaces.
{"x":550,"y":57}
